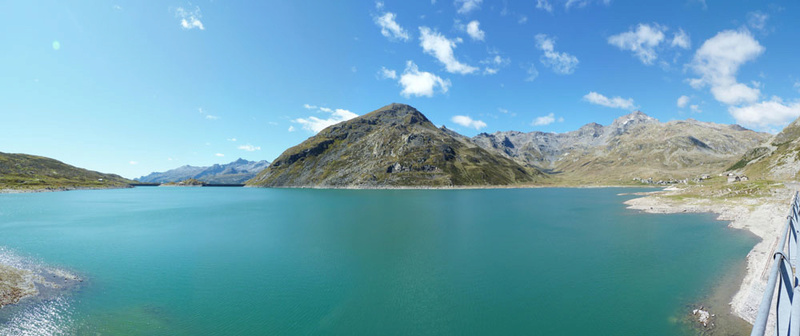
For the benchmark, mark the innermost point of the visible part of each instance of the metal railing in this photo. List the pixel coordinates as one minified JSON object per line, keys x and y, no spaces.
{"x":784,"y":272}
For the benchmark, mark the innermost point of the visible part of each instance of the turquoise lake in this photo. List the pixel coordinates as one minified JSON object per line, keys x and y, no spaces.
{"x":248,"y":261}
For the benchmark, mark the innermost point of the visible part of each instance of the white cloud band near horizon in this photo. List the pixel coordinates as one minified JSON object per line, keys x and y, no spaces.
{"x":614,"y":102}
{"x":467,"y":121}
{"x":315,"y":124}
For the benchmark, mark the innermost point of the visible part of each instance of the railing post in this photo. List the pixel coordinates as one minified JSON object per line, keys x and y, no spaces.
{"x":760,"y":325}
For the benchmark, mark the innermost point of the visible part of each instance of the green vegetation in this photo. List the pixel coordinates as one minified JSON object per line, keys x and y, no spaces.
{"x":186,"y":183}
{"x":30,"y":172}
{"x":718,"y":188}
{"x":393,"y":146}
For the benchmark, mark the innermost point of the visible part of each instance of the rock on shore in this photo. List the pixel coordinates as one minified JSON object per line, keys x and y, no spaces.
{"x":763,"y":216}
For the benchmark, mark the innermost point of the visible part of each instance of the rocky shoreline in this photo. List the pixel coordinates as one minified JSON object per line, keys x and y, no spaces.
{"x":764,"y":216}
{"x":20,"y":280}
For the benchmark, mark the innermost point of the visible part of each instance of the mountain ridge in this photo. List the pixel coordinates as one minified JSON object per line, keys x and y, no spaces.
{"x":235,"y":172}
{"x":395,"y":145}
{"x":33,"y":172}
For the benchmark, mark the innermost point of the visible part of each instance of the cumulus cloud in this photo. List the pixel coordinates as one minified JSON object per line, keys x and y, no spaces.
{"x":766,"y":114}
{"x":190,"y":19}
{"x":546,"y":120}
{"x":421,"y":83}
{"x":387,"y":74}
{"x":474,"y":31}
{"x":642,"y":41}
{"x":681,"y":40}
{"x":315,"y":124}
{"x":291,"y":129}
{"x":695,"y":108}
{"x":468,"y":122}
{"x":249,"y":148}
{"x":615,"y":102}
{"x":561,"y":63}
{"x":219,"y":154}
{"x":437,"y":45}
{"x":390,"y":28}
{"x":544,"y":5}
{"x":466,"y":6}
{"x":683,"y":101}
{"x":718,"y":60}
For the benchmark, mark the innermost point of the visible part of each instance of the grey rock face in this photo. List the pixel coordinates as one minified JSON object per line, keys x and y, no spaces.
{"x":236,"y":172}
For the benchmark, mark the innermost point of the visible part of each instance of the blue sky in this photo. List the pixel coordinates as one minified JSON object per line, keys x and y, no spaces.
{"x":131,"y":87}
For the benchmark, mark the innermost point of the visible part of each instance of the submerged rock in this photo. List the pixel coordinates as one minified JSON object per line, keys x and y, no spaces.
{"x":15,"y":284}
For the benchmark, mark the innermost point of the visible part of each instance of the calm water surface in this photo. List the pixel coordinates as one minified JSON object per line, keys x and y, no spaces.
{"x":191,"y":261}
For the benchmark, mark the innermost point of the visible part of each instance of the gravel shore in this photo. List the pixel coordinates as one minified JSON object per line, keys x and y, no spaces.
{"x":763,"y":216}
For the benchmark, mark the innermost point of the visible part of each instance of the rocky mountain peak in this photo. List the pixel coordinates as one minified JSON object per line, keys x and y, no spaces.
{"x":398,"y":114}
{"x":624,"y":123}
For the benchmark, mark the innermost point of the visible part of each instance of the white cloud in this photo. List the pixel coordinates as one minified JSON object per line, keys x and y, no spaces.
{"x":309,"y":107}
{"x":546,"y":120}
{"x":561,"y":63}
{"x":420,"y":83}
{"x":133,"y":162}
{"x":466,"y":6}
{"x":683,"y":101}
{"x":468,"y":122}
{"x":583,"y":3}
{"x":219,"y":154}
{"x":717,"y":62}
{"x":386,"y":73}
{"x":695,"y":108}
{"x":757,"y":20}
{"x":378,"y":5}
{"x":531,"y":72}
{"x":249,"y":148}
{"x":190,"y":19}
{"x":232,"y":139}
{"x":681,"y":39}
{"x":544,"y":5}
{"x":291,"y":128}
{"x":522,"y":19}
{"x":390,"y":28}
{"x":315,"y":124}
{"x":493,"y":64}
{"x":642,"y":41}
{"x":615,"y":102}
{"x":211,"y":117}
{"x":474,"y":31}
{"x":437,"y":45}
{"x":766,"y":114}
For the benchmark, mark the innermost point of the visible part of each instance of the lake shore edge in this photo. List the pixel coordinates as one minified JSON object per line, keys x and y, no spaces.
{"x":763,"y":216}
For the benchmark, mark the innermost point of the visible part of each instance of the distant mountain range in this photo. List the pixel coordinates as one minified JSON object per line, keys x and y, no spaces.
{"x":634,"y":145}
{"x":30,"y":172}
{"x":236,"y":172}
{"x":397,"y":146}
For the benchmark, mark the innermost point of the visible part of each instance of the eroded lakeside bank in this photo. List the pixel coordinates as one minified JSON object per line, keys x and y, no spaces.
{"x":763,"y":215}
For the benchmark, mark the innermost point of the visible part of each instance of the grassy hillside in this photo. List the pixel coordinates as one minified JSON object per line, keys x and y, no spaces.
{"x":393,"y":146}
{"x":31,"y":172}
